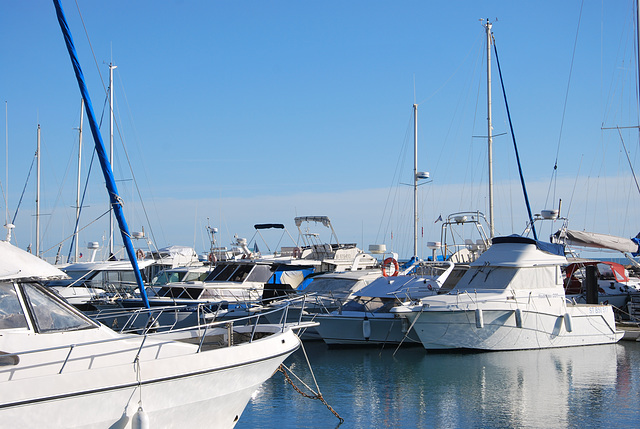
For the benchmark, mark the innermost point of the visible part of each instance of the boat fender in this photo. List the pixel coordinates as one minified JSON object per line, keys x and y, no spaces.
{"x":140,"y":419}
{"x":479,"y":318}
{"x":387,"y":263}
{"x":366,"y":328}
{"x":518,"y":314}
{"x":568,"y":323}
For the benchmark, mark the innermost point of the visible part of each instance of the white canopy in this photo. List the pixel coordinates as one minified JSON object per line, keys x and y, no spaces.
{"x":15,"y":263}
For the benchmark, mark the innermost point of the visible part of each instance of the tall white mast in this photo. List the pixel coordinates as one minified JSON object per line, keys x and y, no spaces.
{"x":77,"y":249}
{"x":415,"y":180}
{"x":111,"y":67}
{"x":489,"y":129}
{"x":38,"y":196}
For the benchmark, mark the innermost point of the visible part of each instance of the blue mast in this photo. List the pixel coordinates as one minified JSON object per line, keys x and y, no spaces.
{"x":115,"y":200}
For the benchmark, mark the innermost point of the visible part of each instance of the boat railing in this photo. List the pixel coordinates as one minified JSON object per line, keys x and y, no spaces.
{"x":205,"y":336}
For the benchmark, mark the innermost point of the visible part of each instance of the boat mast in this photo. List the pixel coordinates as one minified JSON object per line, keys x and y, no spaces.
{"x":489,"y":129}
{"x":116,"y":201}
{"x":75,"y":233}
{"x":111,"y":67}
{"x":415,"y":181}
{"x":38,"y":195}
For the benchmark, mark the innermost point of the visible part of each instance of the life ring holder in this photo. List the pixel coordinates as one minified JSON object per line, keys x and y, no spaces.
{"x":387,"y":263}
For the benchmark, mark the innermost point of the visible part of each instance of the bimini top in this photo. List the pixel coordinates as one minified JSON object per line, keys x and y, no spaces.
{"x":324,"y":220}
{"x":17,"y":264}
{"x":518,"y":251}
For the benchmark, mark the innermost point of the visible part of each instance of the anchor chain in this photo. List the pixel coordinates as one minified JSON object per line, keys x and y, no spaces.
{"x":318,"y":395}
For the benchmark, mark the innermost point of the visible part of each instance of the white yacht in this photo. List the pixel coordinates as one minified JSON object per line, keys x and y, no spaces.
{"x":511,"y":298}
{"x":366,"y":318}
{"x":59,"y":369}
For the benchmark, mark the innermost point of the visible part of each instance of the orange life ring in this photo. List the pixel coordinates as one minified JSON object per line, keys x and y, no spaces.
{"x":387,"y":263}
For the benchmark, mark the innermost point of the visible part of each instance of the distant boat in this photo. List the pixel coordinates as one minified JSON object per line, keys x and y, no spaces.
{"x":366,"y":318}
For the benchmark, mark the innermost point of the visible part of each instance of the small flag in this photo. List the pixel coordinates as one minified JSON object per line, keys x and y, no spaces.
{"x":439,"y":219}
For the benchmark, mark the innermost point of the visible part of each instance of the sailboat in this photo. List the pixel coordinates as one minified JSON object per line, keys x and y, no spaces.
{"x":59,"y":368}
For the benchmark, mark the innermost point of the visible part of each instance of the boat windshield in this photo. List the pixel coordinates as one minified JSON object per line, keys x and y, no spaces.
{"x":165,"y":277}
{"x":325,"y":286}
{"x":50,"y":314}
{"x":11,"y":314}
{"x":370,"y":305}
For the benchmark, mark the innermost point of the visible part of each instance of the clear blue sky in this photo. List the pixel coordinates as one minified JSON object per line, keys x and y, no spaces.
{"x":243,"y":112}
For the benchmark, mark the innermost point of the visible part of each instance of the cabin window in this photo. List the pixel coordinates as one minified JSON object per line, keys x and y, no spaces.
{"x":261,"y":273}
{"x":11,"y":314}
{"x":50,"y":314}
{"x":194,"y":277}
{"x":487,"y":277}
{"x":221,"y":273}
{"x":241,"y":273}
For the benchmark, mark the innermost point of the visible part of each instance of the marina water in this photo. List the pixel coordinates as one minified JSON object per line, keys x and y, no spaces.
{"x":576,"y":387}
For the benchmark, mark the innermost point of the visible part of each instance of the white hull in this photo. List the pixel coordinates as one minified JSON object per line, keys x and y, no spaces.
{"x":502,"y":329}
{"x":177,"y":387}
{"x":350,"y":328}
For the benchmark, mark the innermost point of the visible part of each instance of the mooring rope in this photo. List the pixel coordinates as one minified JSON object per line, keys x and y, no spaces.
{"x":283,"y":369}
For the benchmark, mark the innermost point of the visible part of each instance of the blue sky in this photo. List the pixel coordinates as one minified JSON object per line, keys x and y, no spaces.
{"x":234,"y":113}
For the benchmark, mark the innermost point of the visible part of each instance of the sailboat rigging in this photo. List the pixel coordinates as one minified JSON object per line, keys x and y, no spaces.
{"x":114,"y":197}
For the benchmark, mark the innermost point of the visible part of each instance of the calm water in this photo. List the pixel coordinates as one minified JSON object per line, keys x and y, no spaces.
{"x":579,"y":387}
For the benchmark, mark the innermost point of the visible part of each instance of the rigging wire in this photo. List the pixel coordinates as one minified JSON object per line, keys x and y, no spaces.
{"x":513,"y":137}
{"x":553,"y":182}
{"x":84,"y":193}
{"x":15,"y":215}
{"x":104,"y":87}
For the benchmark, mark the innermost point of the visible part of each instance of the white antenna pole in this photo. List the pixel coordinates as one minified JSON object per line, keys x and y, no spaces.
{"x":489,"y":130}
{"x":415,"y":180}
{"x":38,"y":196}
{"x":77,"y":249}
{"x":111,"y":67}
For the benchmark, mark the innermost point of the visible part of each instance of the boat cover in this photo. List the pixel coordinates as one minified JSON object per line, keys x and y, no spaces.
{"x":16,"y":264}
{"x":600,"y":241}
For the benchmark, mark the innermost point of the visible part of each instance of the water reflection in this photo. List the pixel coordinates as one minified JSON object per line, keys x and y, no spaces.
{"x":581,"y":387}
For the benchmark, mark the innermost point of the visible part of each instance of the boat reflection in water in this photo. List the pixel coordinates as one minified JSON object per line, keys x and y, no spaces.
{"x":581,"y":387}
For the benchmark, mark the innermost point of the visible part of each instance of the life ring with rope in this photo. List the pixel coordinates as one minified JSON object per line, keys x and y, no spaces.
{"x":140,"y":254}
{"x":387,"y":263}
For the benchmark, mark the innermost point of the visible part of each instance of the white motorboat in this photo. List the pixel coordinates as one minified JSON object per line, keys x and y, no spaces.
{"x":60,"y":369}
{"x":366,"y":318}
{"x":511,"y":298}
{"x":95,"y":283}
